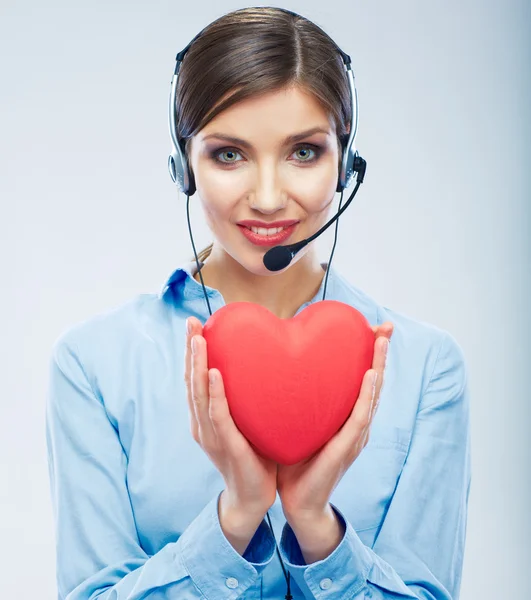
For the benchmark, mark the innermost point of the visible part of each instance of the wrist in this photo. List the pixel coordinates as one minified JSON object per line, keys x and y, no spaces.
{"x":230,"y":502}
{"x":238,"y":524}
{"x":308,"y":517}
{"x":318,"y":534}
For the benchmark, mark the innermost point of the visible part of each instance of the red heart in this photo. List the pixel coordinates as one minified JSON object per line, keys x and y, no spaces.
{"x":290,"y":383}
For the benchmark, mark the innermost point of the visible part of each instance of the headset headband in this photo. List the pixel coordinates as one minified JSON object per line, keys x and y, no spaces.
{"x":177,"y":163}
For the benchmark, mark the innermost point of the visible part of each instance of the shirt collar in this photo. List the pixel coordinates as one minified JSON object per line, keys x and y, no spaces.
{"x":183,"y":286}
{"x":183,"y":289}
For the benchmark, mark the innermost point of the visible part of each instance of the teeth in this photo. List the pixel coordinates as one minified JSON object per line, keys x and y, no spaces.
{"x":268,"y":231}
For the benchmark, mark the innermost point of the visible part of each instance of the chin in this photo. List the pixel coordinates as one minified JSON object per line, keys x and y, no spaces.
{"x":257,"y":267}
{"x":254,"y":263}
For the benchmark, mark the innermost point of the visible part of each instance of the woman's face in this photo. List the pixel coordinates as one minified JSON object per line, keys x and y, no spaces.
{"x":264,"y":176}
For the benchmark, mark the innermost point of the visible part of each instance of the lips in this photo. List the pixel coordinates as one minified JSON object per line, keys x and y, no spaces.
{"x":268,"y":240}
{"x":253,"y":223}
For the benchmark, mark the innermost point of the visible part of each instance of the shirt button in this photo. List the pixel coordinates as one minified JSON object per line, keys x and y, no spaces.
{"x":231,"y":583}
{"x":325,"y":584}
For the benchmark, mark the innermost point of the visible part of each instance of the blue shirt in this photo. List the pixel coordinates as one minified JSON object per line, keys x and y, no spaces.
{"x":135,"y":497}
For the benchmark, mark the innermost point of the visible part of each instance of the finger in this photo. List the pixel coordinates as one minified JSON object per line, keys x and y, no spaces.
{"x":384,"y":329}
{"x":365,"y":437}
{"x":377,"y":394}
{"x":379,"y":361}
{"x":362,"y":410}
{"x":372,"y":391}
{"x":372,"y":409}
{"x":380,"y":354}
{"x":352,"y":431}
{"x":195,"y":329}
{"x":387,"y":329}
{"x":200,"y":392}
{"x":219,"y":412}
{"x":376,"y":400}
{"x":360,"y":416}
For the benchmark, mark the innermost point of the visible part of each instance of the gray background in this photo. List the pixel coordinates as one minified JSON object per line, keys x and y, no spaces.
{"x":439,"y":230}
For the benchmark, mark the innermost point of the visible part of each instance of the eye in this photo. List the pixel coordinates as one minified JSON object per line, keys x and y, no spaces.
{"x":310,"y":148}
{"x":231,"y":154}
{"x":228,"y":151}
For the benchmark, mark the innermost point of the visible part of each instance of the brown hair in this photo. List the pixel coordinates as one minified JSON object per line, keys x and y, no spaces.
{"x":253,"y":51}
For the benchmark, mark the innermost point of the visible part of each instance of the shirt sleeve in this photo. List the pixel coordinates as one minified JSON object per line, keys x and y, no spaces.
{"x":98,"y":553}
{"x":418,"y":551}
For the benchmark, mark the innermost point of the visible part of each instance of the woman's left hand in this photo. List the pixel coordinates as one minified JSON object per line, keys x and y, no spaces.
{"x":305,"y":488}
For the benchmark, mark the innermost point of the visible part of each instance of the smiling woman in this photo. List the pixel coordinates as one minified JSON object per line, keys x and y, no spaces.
{"x":157,"y":492}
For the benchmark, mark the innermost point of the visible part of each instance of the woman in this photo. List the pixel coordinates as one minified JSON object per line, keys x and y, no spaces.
{"x":156,"y":492}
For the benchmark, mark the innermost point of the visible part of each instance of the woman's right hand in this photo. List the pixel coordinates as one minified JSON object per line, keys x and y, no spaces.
{"x":250,"y":479}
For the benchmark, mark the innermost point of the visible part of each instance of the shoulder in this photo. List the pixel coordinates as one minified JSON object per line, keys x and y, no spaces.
{"x":113,"y":329}
{"x":423,"y":347}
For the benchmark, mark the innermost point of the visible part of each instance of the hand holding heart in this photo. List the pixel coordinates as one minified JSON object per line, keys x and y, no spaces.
{"x":251,"y":479}
{"x":305,"y":488}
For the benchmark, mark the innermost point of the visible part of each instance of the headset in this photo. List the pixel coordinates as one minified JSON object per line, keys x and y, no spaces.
{"x":278,"y":257}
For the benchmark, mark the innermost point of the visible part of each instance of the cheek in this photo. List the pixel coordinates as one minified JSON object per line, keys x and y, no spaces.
{"x":214,"y":182}
{"x":318,"y":183}
{"x":215,"y":189}
{"x":217,"y":208}
{"x":318,"y":190}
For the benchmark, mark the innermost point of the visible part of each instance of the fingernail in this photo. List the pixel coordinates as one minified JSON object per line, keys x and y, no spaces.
{"x":194,"y":345}
{"x":188,"y":327}
{"x":386,"y":345}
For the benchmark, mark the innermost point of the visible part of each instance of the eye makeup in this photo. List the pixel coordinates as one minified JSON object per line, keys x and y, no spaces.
{"x":213,"y":155}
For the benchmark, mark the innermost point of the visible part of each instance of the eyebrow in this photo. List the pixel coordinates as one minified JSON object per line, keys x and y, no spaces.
{"x":291,"y":138}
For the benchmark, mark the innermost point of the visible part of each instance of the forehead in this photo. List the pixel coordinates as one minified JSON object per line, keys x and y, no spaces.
{"x":284,"y":111}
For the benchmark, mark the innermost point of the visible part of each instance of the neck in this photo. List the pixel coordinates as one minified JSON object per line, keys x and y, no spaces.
{"x":281,"y":293}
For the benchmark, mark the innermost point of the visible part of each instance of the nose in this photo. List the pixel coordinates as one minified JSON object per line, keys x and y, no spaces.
{"x":268,"y":197}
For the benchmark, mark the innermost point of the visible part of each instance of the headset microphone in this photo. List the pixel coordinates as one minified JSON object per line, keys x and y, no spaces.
{"x":279,"y":257}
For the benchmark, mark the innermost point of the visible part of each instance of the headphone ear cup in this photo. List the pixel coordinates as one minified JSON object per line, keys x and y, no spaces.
{"x":186,"y":176}
{"x":180,"y":172}
{"x":360,"y":165}
{"x":347,"y":168}
{"x":191,"y":180}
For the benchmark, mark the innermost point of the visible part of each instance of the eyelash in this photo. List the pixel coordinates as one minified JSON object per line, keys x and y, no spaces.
{"x":317,"y":150}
